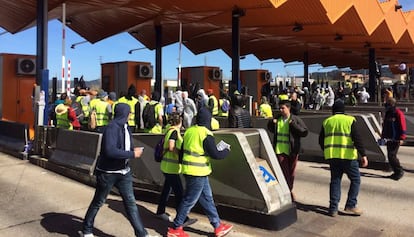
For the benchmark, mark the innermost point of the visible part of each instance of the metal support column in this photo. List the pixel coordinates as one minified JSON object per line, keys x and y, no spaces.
{"x":42,"y":75}
{"x":372,"y":75}
{"x":306,"y":69}
{"x":158,"y":59}
{"x":235,"y":42}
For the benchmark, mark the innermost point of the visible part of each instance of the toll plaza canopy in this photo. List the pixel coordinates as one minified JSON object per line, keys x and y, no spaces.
{"x":332,"y":32}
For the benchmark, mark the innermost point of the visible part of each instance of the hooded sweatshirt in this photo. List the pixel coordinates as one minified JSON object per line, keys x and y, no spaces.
{"x":113,"y":156}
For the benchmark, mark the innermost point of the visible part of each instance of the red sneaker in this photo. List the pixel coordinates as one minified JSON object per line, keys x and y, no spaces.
{"x":179,"y":232}
{"x":223,"y":229}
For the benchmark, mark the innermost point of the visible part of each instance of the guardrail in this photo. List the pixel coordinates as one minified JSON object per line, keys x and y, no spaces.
{"x":14,"y":138}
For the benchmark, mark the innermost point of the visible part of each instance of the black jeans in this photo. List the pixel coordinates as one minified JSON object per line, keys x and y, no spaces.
{"x":392,"y":150}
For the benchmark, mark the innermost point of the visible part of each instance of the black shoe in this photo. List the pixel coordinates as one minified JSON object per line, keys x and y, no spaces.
{"x":396,"y":176}
{"x":189,"y":221}
{"x":332,"y":213}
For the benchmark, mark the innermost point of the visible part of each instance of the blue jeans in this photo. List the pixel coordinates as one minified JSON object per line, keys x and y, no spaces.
{"x":171,"y":182}
{"x":123,"y":183}
{"x":197,"y":189}
{"x":351,"y":169}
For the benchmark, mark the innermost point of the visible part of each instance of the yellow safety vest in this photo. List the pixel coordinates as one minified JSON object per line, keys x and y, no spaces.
{"x":215,"y":106}
{"x":63,"y":121}
{"x":85,"y":109}
{"x":220,"y":111}
{"x":266,"y":110}
{"x":338,"y":141}
{"x":195,"y":161}
{"x":131,"y":103}
{"x":170,"y":162}
{"x":102,"y":114}
{"x":283,"y":97}
{"x":282,"y":142}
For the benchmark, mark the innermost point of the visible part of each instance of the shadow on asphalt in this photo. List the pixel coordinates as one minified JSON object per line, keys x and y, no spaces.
{"x":150,"y":220}
{"x":66,"y":224}
{"x":312,"y":208}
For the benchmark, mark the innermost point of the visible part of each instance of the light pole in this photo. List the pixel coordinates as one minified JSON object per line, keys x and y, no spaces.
{"x":74,"y":45}
{"x":132,"y":50}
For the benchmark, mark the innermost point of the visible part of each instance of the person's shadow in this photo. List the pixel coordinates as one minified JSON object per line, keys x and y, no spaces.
{"x":149,"y":219}
{"x":66,"y":224}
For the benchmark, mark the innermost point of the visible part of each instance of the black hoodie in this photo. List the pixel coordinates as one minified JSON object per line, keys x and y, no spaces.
{"x":113,"y":155}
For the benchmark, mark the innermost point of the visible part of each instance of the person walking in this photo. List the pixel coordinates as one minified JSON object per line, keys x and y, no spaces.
{"x":265,"y":110}
{"x":112,"y":169}
{"x":340,"y":141}
{"x":198,"y":148}
{"x":287,"y":129}
{"x":394,"y":132}
{"x":171,"y":168}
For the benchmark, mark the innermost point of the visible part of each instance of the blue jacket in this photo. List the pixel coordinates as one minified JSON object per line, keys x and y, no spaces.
{"x":113,"y":155}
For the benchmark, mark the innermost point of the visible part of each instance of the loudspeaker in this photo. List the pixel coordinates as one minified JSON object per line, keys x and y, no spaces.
{"x":216,"y":74}
{"x":26,"y":66}
{"x":144,"y":71}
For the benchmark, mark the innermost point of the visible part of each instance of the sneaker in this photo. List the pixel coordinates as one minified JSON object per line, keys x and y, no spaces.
{"x":223,"y":229}
{"x":354,"y":211}
{"x":178,"y":232}
{"x":332,"y":213}
{"x":396,"y":176}
{"x":189,"y":221}
{"x":81,"y":234}
{"x":165,"y":217}
{"x":152,"y":236}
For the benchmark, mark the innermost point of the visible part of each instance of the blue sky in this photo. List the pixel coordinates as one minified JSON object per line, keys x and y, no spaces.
{"x":86,"y":57}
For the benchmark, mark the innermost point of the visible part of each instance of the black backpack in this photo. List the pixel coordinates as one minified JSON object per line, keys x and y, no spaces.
{"x":159,"y":150}
{"x":148,"y":115}
{"x":77,"y":107}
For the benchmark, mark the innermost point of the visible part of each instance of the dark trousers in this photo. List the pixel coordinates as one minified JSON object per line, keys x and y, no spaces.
{"x":392,"y":150}
{"x":104,"y":184}
{"x":338,"y":168}
{"x":171,"y":182}
{"x":288,"y":165}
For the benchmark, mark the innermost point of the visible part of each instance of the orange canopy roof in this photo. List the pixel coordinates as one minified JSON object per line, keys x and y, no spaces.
{"x":334,"y":32}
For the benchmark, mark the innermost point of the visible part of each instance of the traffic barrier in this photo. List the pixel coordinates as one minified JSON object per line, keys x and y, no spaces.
{"x":77,"y":150}
{"x":367,"y":126}
{"x":14,"y":138}
{"x":249,"y":180}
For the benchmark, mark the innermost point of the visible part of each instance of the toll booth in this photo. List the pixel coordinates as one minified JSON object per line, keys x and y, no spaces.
{"x":255,"y":81}
{"x":17,"y":80}
{"x":206,"y":78}
{"x":118,"y":76}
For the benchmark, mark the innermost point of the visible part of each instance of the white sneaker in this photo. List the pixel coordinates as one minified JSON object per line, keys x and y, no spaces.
{"x":152,"y":236}
{"x":81,"y":234}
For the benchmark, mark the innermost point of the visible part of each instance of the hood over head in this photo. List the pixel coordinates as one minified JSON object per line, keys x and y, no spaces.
{"x":338,"y":107}
{"x":204,"y":117}
{"x":121,"y":113}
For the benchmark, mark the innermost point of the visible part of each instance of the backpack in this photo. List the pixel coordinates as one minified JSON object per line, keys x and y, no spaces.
{"x":77,"y":107}
{"x":92,"y":120}
{"x":159,"y":150}
{"x":225,"y":106}
{"x":148,"y":115}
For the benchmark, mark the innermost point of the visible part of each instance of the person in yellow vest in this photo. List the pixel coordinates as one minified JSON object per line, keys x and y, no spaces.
{"x":103,"y":111}
{"x":212,"y":102}
{"x":66,"y":116}
{"x":159,"y":114}
{"x":198,"y":148}
{"x":340,"y":141}
{"x":224,"y":105}
{"x":171,"y":168}
{"x":288,"y":129}
{"x":265,"y":110}
{"x":131,"y":100}
{"x":83,"y":99}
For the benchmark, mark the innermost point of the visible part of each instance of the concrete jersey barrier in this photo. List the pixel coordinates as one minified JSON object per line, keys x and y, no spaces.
{"x":14,"y":137}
